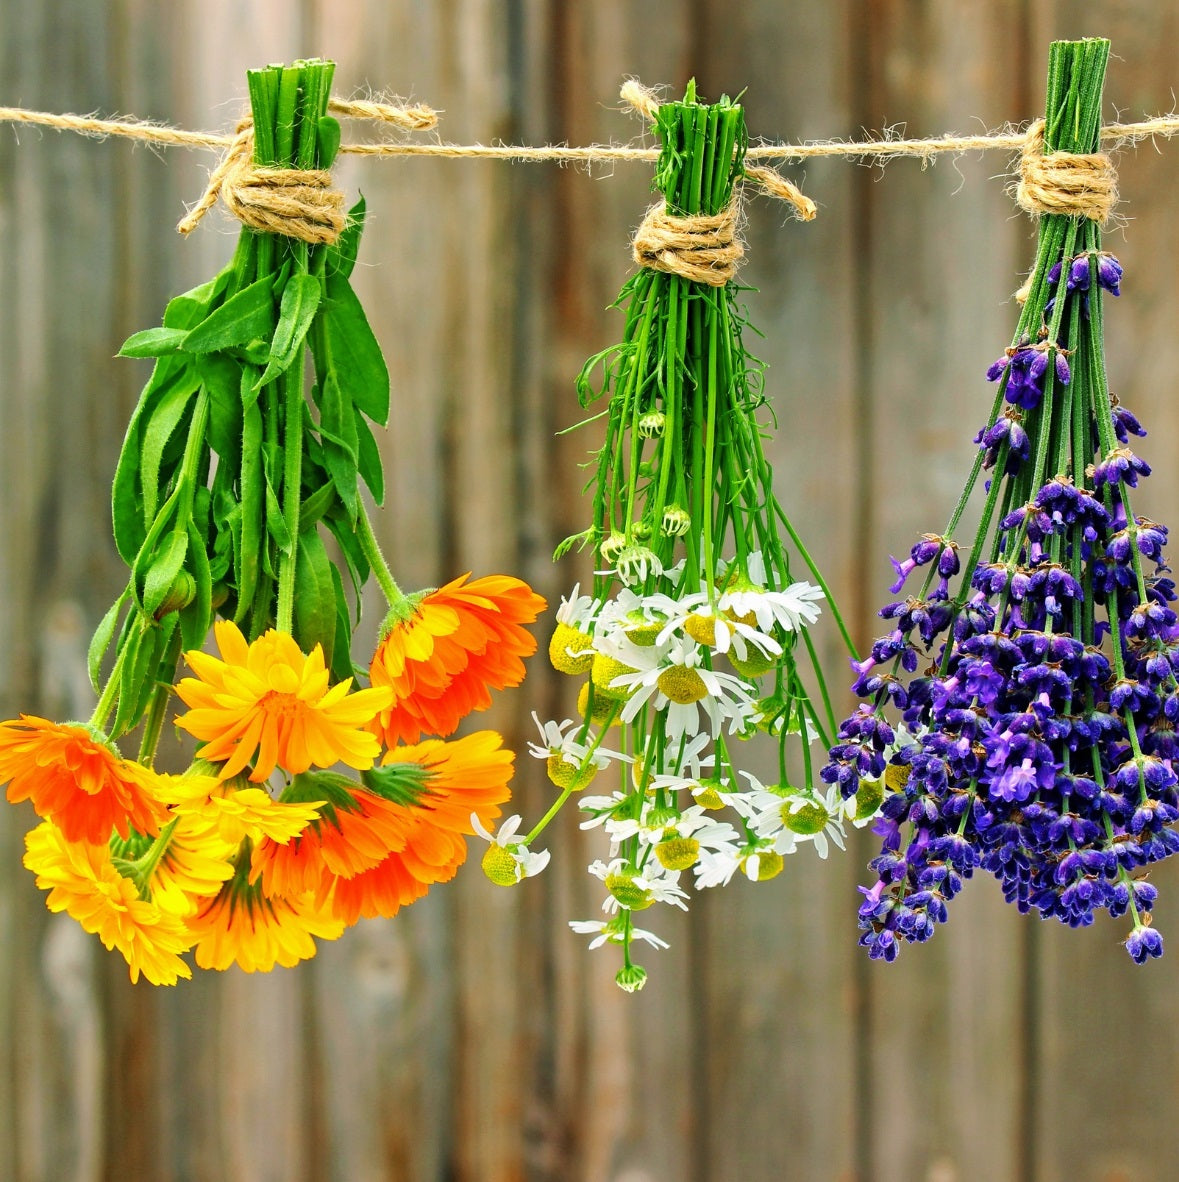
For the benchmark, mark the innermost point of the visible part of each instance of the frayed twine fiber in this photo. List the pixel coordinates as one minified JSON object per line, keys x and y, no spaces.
{"x":704,"y":248}
{"x":1071,"y":183}
{"x":296,"y":202}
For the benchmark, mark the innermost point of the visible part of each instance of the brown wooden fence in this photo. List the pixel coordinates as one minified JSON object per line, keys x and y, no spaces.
{"x":473,"y":1038}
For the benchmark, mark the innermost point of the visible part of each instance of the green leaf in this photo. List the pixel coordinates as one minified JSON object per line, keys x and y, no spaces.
{"x":130,"y":527}
{"x":221,"y":376}
{"x":276,"y":523}
{"x":315,"y":596}
{"x":154,"y":342}
{"x":243,"y":318}
{"x":300,"y":301}
{"x":316,"y":505}
{"x":101,"y":640}
{"x":140,"y":657}
{"x":341,"y":256}
{"x":252,"y":502}
{"x":188,"y":309}
{"x":337,"y":432}
{"x":342,"y":646}
{"x":368,"y":460}
{"x":352,"y":352}
{"x":156,"y":433}
{"x":165,"y":566}
{"x":197,"y":617}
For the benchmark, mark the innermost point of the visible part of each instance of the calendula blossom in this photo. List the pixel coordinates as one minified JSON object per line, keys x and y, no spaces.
{"x":269,"y":704}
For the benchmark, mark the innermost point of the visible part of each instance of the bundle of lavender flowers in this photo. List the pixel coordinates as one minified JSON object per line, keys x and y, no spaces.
{"x":693,"y":636}
{"x":1038,"y":745}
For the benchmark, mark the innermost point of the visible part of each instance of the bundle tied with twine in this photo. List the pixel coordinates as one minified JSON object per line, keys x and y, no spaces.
{"x":297,"y":202}
{"x":705,"y":248}
{"x":1076,"y":184}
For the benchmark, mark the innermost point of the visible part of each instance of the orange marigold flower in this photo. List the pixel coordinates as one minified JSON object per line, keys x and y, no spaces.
{"x":442,"y":660}
{"x":243,"y":926}
{"x":354,"y":831}
{"x":76,"y":780}
{"x":82,"y":881}
{"x":464,"y":776}
{"x":270,"y":699}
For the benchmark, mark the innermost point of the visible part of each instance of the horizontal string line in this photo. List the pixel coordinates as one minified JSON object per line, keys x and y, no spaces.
{"x":873,"y":149}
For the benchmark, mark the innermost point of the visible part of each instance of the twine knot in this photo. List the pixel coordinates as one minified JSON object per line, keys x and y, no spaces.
{"x":1076,"y":184}
{"x":701,"y":247}
{"x":297,"y":202}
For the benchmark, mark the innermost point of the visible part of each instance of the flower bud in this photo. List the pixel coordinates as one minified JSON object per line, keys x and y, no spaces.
{"x":611,"y":546}
{"x":631,"y":978}
{"x":652,"y":424}
{"x":676,"y":522}
{"x":180,"y":595}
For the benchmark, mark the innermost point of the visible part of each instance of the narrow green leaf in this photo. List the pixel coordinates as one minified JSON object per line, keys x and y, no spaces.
{"x":101,"y":640}
{"x":315,"y":596}
{"x":252,"y":498}
{"x":139,"y":658}
{"x":189,"y":308}
{"x":154,"y":342}
{"x":328,"y":135}
{"x":197,"y":617}
{"x":316,"y":505}
{"x":156,"y":433}
{"x":300,"y":301}
{"x":342,"y":646}
{"x":368,"y":460}
{"x":353,"y":353}
{"x":167,"y":564}
{"x":276,"y":523}
{"x":243,"y":318}
{"x":341,"y":257}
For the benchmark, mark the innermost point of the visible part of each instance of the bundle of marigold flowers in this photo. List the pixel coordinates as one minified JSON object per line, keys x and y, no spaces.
{"x":229,"y":478}
{"x":1039,"y":744}
{"x":693,"y":638}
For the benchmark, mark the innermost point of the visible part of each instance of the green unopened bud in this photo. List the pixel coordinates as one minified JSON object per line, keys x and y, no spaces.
{"x":500,"y":866}
{"x":631,"y":978}
{"x":676,"y":522}
{"x":180,"y":595}
{"x":641,"y":530}
{"x":612,"y":545}
{"x":652,"y":424}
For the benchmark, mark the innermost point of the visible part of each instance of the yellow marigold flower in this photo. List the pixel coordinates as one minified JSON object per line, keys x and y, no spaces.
{"x":192,"y":865}
{"x":255,"y":931}
{"x":236,"y":812}
{"x":269,"y":703}
{"x":82,"y":881}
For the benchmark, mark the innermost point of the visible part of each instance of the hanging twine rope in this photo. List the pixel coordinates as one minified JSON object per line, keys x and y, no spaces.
{"x":1072,"y":183}
{"x":705,"y":248}
{"x":297,"y":202}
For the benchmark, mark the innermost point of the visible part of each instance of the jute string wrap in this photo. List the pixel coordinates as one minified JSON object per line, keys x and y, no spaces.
{"x":1071,"y":183}
{"x":297,"y":202}
{"x":705,"y":248}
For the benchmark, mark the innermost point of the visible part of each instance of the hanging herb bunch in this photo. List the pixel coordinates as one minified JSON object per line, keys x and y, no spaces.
{"x":693,"y":638}
{"x":1039,"y":743}
{"x":232,"y":479}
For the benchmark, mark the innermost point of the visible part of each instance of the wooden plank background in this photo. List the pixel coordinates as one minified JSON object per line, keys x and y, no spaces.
{"x":473,"y":1038}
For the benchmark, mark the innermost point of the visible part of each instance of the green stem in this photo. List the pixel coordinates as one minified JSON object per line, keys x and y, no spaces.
{"x":394,"y":596}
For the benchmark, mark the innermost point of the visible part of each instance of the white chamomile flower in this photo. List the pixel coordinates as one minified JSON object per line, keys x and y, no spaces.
{"x":570,"y":763}
{"x":806,"y":815}
{"x":634,"y":891}
{"x":791,"y":609}
{"x":507,"y":861}
{"x":694,"y":616}
{"x":613,"y":931}
{"x":677,"y":683}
